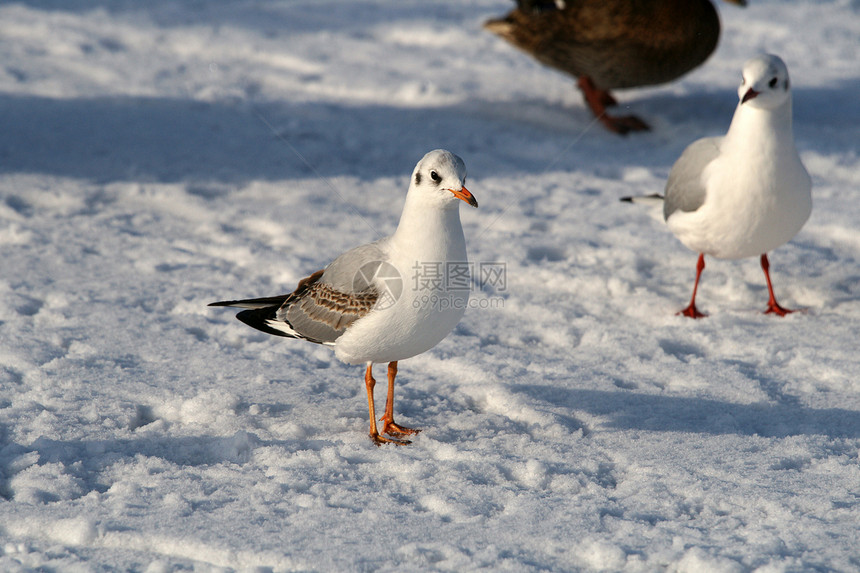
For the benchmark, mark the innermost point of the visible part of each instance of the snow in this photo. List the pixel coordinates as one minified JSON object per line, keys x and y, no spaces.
{"x":159,"y":156}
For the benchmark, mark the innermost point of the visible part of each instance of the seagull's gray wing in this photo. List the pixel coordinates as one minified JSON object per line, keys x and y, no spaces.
{"x":685,"y":190}
{"x":324,"y":304}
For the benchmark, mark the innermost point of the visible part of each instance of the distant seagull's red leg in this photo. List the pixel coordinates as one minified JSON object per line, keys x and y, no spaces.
{"x":772,"y":305}
{"x":691,"y":309}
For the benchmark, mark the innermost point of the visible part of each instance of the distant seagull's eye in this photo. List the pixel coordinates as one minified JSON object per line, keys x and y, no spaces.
{"x":743,"y":81}
{"x":435,"y":177}
{"x":772,"y":83}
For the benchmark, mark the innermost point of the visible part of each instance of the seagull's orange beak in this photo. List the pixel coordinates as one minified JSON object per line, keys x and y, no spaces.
{"x":465,"y":195}
{"x":751,"y":93}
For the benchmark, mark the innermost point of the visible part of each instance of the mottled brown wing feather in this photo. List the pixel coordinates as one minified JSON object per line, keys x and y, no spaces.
{"x":318,"y":312}
{"x":323,"y":313}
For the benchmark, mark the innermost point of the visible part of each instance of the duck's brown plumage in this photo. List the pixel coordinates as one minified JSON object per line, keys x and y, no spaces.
{"x":612,"y":44}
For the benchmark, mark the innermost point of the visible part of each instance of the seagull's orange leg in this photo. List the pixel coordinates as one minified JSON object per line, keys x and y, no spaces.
{"x":772,"y":305}
{"x":691,"y":309}
{"x":387,"y":419}
{"x":369,"y":382}
{"x":598,"y":100}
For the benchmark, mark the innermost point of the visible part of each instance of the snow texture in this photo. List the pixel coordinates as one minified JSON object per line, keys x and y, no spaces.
{"x":158,"y":156}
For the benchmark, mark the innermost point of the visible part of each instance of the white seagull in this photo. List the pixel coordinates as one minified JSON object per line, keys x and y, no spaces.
{"x":746,"y":193}
{"x":388,"y":300}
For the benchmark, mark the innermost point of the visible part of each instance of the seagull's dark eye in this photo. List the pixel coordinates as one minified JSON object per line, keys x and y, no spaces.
{"x":435,"y":177}
{"x":772,"y":83}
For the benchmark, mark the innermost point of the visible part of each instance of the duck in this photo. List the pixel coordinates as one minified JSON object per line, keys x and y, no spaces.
{"x":745,"y":193}
{"x":614,"y":44}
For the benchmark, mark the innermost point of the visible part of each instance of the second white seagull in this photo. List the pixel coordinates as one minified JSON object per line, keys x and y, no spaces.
{"x":744,"y":194}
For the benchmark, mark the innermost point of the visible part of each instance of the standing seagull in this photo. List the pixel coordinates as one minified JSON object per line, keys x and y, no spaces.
{"x":362,"y":305}
{"x":614,"y":44}
{"x":746,"y":193}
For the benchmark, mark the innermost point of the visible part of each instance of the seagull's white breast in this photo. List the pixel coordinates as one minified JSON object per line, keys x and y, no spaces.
{"x":758,"y":196}
{"x":432,"y":263}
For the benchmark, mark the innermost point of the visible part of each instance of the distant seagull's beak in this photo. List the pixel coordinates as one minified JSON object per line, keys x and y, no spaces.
{"x":465,"y":195}
{"x":751,"y":93}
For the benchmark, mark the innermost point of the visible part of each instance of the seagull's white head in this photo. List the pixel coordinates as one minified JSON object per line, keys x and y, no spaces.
{"x":765,"y":83}
{"x":440,"y":177}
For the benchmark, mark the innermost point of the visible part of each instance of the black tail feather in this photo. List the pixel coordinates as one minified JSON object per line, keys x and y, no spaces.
{"x":256,"y":318}
{"x":260,"y":311}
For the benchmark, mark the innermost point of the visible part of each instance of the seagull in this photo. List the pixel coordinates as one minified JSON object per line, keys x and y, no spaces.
{"x":388,"y":300}
{"x":614,"y":44}
{"x":746,"y":193}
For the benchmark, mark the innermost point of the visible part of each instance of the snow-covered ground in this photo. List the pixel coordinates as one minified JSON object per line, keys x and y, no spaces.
{"x":157,"y":156}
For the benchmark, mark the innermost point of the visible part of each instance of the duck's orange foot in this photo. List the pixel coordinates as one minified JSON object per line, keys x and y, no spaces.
{"x":598,"y":100}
